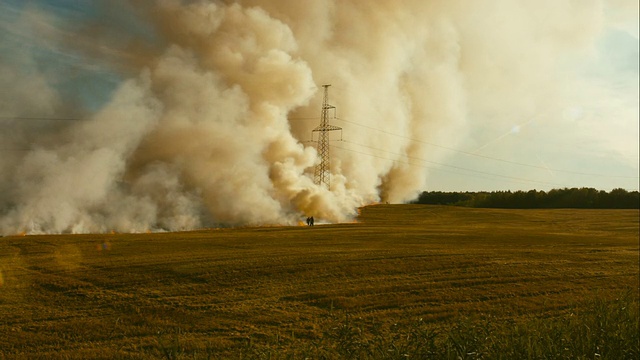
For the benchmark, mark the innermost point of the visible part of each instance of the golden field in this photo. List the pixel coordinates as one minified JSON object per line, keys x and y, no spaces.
{"x":288,"y":292}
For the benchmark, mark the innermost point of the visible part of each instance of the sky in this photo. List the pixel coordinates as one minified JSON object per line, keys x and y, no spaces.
{"x":200,"y":112}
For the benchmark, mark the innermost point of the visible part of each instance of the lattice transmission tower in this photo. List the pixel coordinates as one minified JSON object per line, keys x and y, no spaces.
{"x":322,"y":173}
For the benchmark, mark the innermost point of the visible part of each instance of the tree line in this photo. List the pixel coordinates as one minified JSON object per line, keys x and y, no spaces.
{"x":581,"y":198}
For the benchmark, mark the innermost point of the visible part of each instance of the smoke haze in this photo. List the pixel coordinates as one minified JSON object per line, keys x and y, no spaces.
{"x":208,"y":126}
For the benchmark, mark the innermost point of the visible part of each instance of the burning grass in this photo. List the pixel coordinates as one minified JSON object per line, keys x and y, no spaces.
{"x":405,"y":280}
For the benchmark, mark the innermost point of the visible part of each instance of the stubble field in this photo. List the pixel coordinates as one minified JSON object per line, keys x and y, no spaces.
{"x":396,"y":284}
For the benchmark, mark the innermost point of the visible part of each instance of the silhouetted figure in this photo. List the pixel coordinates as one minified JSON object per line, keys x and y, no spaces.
{"x":308,"y":221}
{"x":311,"y":219}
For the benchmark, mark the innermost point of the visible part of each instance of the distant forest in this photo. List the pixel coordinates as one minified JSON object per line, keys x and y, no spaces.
{"x":583,"y":198}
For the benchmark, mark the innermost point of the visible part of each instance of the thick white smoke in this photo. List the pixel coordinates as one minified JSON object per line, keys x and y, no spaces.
{"x":209,"y":133}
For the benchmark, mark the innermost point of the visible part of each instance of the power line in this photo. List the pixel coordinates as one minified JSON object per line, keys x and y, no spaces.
{"x":489,"y":157}
{"x":40,"y":118}
{"x":306,"y":118}
{"x":401,"y":162}
{"x":438,"y":169}
{"x":512,"y":178}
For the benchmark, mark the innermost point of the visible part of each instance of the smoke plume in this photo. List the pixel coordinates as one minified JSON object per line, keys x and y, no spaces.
{"x":210,"y":126}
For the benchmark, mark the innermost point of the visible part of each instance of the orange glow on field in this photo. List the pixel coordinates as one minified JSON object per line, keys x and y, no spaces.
{"x":105,"y":246}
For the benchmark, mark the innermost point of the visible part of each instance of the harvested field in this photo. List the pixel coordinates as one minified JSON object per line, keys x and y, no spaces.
{"x":250,"y":292}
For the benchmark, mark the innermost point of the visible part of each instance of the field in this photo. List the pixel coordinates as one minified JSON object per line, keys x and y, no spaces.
{"x":404,"y":281}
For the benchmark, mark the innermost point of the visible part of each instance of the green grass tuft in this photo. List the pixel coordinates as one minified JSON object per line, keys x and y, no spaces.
{"x":599,"y":328}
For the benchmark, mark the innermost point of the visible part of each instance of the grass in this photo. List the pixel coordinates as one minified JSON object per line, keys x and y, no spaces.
{"x":424,"y":281}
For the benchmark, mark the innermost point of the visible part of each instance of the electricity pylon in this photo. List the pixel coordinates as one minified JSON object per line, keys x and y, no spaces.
{"x":322,"y":174}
